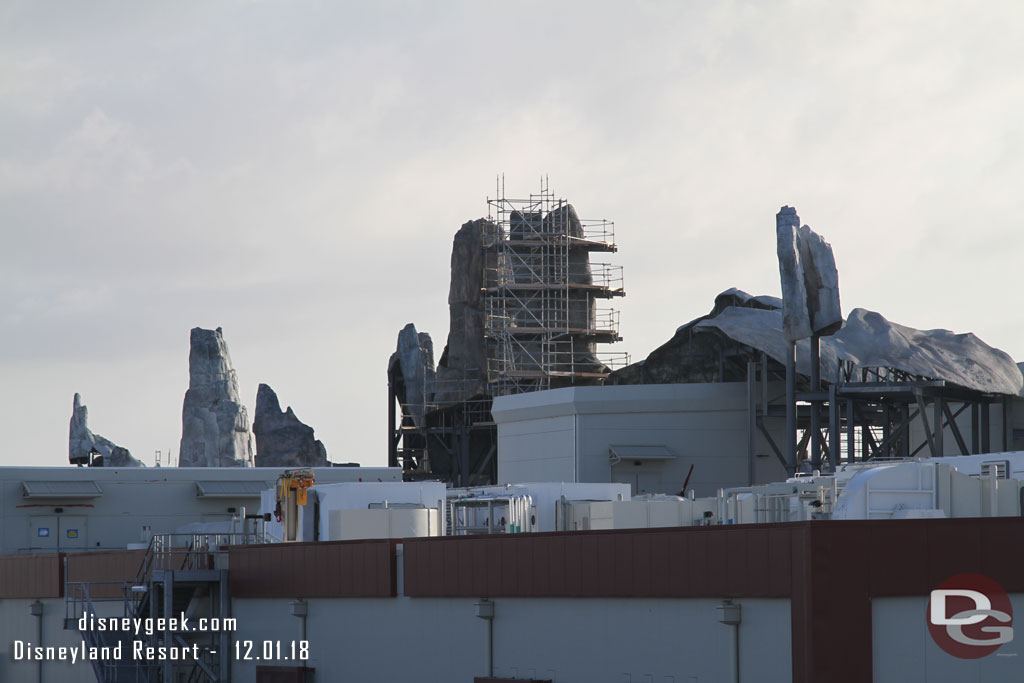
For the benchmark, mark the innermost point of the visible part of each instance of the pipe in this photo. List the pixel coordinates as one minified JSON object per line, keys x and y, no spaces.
{"x":734,"y":659}
{"x":485,"y":611}
{"x":489,"y":664}
{"x":36,"y":610}
{"x":729,"y":614}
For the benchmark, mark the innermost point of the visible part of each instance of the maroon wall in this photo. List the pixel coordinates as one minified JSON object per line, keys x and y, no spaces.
{"x":829,"y":570}
{"x":331,"y":569}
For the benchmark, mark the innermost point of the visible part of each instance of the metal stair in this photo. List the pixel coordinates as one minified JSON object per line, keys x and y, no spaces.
{"x":179,"y":575}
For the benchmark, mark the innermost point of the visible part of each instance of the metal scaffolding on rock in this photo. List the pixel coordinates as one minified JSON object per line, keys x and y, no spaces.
{"x":544,"y":311}
{"x":543,"y":319}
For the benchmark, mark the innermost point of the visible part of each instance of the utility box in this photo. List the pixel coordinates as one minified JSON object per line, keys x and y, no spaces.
{"x":392,"y":522}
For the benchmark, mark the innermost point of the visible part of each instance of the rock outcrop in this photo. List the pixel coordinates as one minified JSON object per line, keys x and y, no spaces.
{"x":810,"y":281}
{"x":462,"y":370}
{"x":692,"y":355}
{"x":281,"y":439}
{"x":717,"y":346}
{"x":411,"y":372}
{"x":86,"y":448}
{"x":215,"y":425}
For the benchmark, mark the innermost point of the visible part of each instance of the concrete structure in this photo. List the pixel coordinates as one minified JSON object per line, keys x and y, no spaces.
{"x":75,"y":509}
{"x":804,"y":602}
{"x":645,"y":435}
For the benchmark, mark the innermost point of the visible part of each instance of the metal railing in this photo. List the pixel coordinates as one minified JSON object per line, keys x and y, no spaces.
{"x":79,"y":603}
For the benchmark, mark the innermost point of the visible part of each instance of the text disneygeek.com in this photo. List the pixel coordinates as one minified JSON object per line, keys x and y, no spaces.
{"x":139,"y":640}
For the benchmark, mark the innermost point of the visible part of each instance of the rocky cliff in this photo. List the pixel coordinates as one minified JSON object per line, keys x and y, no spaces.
{"x":86,"y":448}
{"x":281,"y":439}
{"x":215,"y":425}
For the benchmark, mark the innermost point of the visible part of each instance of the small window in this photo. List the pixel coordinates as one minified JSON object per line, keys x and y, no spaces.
{"x":1000,"y":469}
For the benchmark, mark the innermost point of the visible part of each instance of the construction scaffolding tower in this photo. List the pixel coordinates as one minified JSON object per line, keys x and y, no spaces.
{"x":543,"y":320}
{"x":528,"y":319}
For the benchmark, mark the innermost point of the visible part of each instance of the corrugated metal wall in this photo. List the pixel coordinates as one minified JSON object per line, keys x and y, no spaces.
{"x":332,"y":569}
{"x":31,"y":576}
{"x":108,"y":569}
{"x":753,"y":561}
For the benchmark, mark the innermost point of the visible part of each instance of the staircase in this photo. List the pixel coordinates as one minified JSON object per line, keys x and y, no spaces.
{"x":179,"y":575}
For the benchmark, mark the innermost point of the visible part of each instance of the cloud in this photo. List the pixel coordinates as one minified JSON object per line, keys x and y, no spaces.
{"x":295,"y":173}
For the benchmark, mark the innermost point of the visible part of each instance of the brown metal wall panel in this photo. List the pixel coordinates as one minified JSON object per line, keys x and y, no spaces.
{"x":801,"y":620}
{"x":525,"y":567}
{"x":907,"y":541}
{"x":623,"y":576}
{"x":779,"y":563}
{"x":677,"y":563}
{"x":590,"y":581}
{"x":662,"y":569}
{"x":697,"y":557}
{"x":831,"y":606}
{"x":643,"y":569}
{"x":326,"y":569}
{"x":31,"y":576}
{"x":1002,"y":555}
{"x":940,"y":563}
{"x":718,"y":561}
{"x":684,"y":562}
{"x":573,"y":566}
{"x":754,"y":570}
{"x":107,"y":570}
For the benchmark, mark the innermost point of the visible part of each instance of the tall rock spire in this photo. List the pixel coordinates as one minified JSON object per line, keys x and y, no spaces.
{"x":214,"y":423}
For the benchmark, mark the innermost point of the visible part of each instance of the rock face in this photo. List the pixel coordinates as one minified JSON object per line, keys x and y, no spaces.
{"x":281,"y":439}
{"x":866,"y":341}
{"x":810,"y":281}
{"x":215,"y":425}
{"x":462,"y":370}
{"x":411,"y":372}
{"x":86,"y":448}
{"x":693,"y":355}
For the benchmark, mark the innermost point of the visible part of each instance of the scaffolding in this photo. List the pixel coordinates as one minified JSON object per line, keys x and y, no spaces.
{"x":533,"y":311}
{"x":543,"y":321}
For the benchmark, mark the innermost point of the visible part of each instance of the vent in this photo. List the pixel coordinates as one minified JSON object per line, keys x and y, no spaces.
{"x":1000,"y":469}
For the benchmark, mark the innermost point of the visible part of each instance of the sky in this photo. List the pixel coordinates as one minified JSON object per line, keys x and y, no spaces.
{"x":294,"y":173}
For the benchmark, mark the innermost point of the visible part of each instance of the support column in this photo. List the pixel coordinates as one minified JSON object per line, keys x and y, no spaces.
{"x":975,"y":436}
{"x":392,"y":441}
{"x":851,"y":433}
{"x":986,"y":429}
{"x":815,"y":404}
{"x":833,"y":426}
{"x":751,"y":420}
{"x":791,"y":409}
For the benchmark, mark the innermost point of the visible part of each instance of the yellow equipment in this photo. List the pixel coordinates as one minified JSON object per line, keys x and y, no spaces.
{"x":291,"y":493}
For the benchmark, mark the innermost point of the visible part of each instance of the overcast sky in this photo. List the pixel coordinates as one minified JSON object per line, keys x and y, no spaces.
{"x":294,"y":173}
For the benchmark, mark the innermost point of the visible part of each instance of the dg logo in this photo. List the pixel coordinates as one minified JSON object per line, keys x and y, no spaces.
{"x":970,"y":616}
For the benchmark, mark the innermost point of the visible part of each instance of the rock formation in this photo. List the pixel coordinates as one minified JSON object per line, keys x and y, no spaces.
{"x":462,"y":370}
{"x":810,"y":281}
{"x":715,"y":348}
{"x":215,"y":426}
{"x":411,"y":372}
{"x":281,"y":439}
{"x":693,"y":355}
{"x":86,"y":448}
